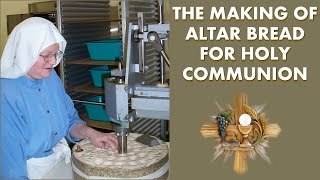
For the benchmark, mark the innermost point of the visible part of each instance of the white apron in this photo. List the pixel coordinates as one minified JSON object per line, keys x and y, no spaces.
{"x":45,"y":167}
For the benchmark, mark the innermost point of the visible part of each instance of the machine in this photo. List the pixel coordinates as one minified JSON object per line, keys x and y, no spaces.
{"x":127,"y":95}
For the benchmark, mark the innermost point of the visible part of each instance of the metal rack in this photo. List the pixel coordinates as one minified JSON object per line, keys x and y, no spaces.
{"x":87,"y":20}
{"x":80,"y":22}
{"x":129,"y":14}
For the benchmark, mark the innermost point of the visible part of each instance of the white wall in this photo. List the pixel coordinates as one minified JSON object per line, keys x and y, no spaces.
{"x":9,"y":7}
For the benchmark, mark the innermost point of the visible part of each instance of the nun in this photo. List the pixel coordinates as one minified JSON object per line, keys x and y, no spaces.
{"x":37,"y":115}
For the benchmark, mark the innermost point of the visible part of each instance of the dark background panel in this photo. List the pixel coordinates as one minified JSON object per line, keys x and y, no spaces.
{"x":293,"y":105}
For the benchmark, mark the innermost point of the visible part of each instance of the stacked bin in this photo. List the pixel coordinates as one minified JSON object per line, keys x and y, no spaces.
{"x":103,"y":50}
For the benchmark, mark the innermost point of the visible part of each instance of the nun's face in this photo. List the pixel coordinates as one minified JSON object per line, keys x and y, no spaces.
{"x":45,"y":62}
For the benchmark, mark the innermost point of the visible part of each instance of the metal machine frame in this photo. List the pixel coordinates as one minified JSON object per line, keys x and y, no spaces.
{"x":132,"y":98}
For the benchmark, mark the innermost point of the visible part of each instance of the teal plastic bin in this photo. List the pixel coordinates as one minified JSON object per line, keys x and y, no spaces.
{"x":98,"y":75}
{"x":105,"y":50}
{"x":96,"y":111}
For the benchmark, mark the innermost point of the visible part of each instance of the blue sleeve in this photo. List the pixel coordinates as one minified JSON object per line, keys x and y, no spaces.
{"x":14,"y":137}
{"x":73,"y":117}
{"x":72,"y":112}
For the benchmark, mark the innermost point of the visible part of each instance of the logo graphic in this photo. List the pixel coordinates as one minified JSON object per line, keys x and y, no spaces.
{"x":241,"y":130}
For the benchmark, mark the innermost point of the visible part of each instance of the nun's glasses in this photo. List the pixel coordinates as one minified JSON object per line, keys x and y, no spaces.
{"x":49,"y":57}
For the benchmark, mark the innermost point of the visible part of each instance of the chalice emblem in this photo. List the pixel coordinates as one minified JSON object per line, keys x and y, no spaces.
{"x":245,"y":128}
{"x":241,"y":130}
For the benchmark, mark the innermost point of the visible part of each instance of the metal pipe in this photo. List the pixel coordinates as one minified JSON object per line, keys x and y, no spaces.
{"x":122,"y":135}
{"x":122,"y":144}
{"x":59,"y":24}
{"x":88,"y":102}
{"x":162,"y":70}
{"x":166,"y":58}
{"x":162,"y":65}
{"x":160,"y":11}
{"x":141,"y":43}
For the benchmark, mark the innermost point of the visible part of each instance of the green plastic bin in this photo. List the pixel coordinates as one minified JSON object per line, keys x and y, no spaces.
{"x":105,"y":50}
{"x":96,"y":111}
{"x":98,"y":75}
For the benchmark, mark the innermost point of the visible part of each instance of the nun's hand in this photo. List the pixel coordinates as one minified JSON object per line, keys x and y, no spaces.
{"x":100,"y":140}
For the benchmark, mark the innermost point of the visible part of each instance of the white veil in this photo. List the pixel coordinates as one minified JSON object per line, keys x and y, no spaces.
{"x":25,"y":43}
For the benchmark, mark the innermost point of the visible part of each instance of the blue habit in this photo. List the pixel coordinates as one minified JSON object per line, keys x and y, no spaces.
{"x":35,"y":116}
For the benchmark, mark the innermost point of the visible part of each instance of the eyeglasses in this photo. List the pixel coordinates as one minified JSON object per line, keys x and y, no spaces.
{"x":49,"y":57}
